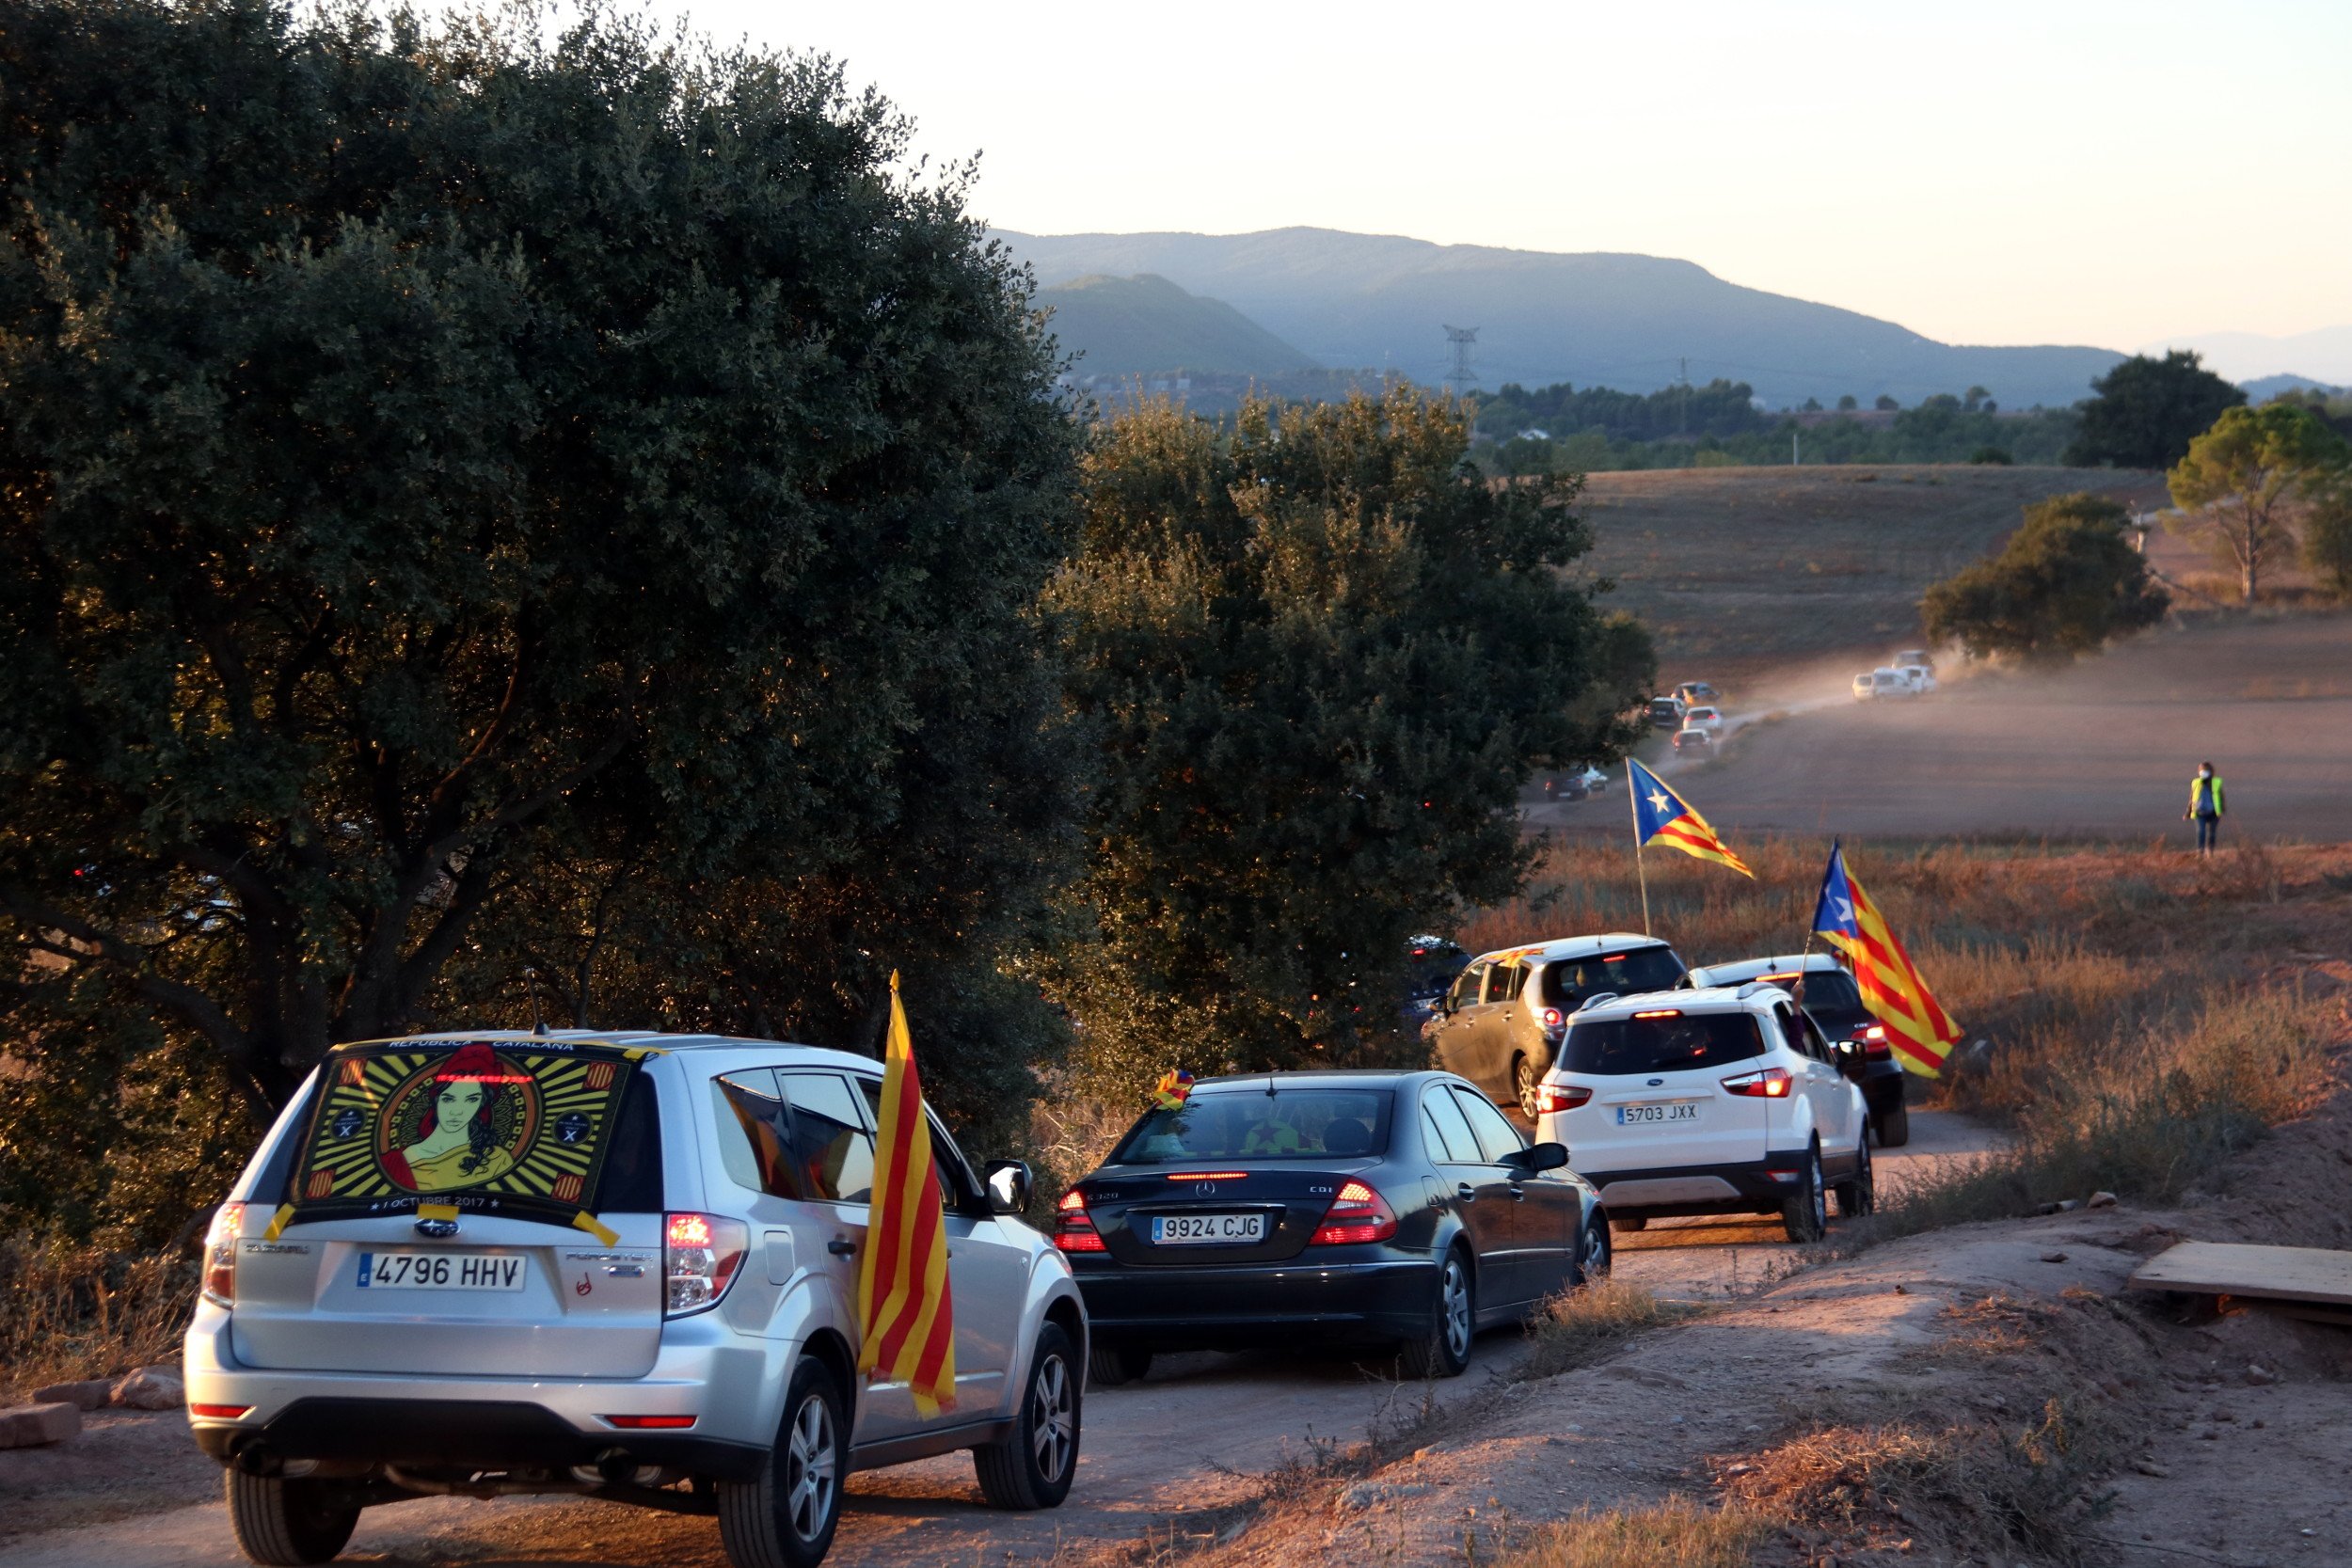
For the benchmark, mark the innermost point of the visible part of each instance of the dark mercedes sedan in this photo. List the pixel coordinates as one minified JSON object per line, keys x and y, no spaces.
{"x":1389,"y":1210}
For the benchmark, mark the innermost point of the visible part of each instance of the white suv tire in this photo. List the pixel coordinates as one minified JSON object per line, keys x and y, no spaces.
{"x":785,"y":1517}
{"x":1805,"y":1212}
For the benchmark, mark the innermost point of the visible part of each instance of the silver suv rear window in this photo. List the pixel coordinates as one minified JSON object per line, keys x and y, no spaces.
{"x":1670,"y":1041}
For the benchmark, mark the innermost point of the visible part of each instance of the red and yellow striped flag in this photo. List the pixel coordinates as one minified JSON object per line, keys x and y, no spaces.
{"x":1918,"y":1030}
{"x":902,"y":1298}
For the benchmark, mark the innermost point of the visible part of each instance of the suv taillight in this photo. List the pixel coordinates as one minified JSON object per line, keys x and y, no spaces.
{"x":220,"y":1255}
{"x":700,"y":1257}
{"x":1770,"y":1084}
{"x":1074,"y":1227}
{"x":1560,"y":1096}
{"x":1554,"y":1021}
{"x":1358,"y":1214}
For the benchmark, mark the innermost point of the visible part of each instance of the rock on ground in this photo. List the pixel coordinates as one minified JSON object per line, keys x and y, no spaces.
{"x":30,"y":1426}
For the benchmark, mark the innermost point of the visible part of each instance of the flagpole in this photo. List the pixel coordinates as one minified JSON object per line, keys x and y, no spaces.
{"x":1633,"y":805}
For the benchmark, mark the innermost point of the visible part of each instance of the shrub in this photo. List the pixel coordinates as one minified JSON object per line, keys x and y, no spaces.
{"x":2066,"y":582}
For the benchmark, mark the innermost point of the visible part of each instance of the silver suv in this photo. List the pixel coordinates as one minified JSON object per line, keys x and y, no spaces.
{"x":623,"y":1266}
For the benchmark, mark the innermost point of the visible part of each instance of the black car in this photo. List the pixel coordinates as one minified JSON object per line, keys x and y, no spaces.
{"x":1835,"y":1004}
{"x":1329,"y":1209}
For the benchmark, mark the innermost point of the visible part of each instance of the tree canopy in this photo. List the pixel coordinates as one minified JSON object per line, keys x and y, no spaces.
{"x":2241,"y":482}
{"x":2067,"y":581}
{"x":2145,"y":412}
{"x":459,"y":484}
{"x":1320,"y":656}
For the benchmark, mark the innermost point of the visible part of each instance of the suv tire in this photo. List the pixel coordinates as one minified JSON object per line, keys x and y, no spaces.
{"x":1527,"y":1081}
{"x":1858,"y":1195}
{"x":1108,"y":1366}
{"x":1033,"y":1465}
{"x":1894,"y":1127}
{"x":1443,"y":1348}
{"x":785,"y":1517}
{"x":1805,"y":1214}
{"x":282,"y":1522}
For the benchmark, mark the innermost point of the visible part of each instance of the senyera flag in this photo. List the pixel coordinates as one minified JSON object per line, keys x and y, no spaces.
{"x":1918,"y":1030}
{"x":902,"y":1300}
{"x":1662,"y":816}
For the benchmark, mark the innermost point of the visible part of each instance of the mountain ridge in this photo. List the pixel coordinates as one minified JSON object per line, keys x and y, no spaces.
{"x":1610,"y":317}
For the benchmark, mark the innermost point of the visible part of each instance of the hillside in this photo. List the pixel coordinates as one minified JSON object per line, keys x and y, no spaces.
{"x":1619,"y":321}
{"x":1738,"y":568}
{"x":1129,"y":326}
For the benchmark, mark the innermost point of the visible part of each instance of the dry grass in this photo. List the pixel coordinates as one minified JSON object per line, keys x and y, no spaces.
{"x":84,"y":1312}
{"x":1966,"y":1486}
{"x":1579,"y":1327}
{"x":1677,"y":1533}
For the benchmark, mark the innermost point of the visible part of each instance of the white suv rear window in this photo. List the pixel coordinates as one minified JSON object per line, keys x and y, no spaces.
{"x":1674,"y":1041}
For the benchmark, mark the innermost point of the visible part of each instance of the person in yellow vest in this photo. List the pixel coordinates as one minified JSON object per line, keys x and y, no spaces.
{"x":2206,"y":808}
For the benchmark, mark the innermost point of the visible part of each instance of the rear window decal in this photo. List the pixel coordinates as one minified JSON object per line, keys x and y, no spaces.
{"x":507,"y":1127}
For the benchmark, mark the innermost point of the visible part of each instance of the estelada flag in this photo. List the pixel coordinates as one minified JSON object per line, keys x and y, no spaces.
{"x":902,"y":1298}
{"x":1662,"y":816}
{"x":1918,"y":1030}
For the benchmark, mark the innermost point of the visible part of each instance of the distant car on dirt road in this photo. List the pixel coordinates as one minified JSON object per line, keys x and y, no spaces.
{"x":1694,"y":743}
{"x":616,"y":1265}
{"x":1665,"y":713}
{"x":1704,"y":718}
{"x":1694,"y":694}
{"x":1500,"y":1025}
{"x":1913,"y":656}
{"x":1389,"y":1210}
{"x":1886,"y":681}
{"x":1718,"y":1102}
{"x":1835,"y":1003}
{"x":1918,"y":678}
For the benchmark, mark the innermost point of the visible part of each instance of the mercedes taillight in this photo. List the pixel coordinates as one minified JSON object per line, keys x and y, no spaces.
{"x":701,"y":1254}
{"x":1074,"y":1227}
{"x":1358,"y":1214}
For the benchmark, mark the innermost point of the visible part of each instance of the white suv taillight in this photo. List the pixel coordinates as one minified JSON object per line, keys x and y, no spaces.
{"x":700,"y":1255}
{"x":1551,"y":1099}
{"x":220,"y":1255}
{"x":1773,"y":1083}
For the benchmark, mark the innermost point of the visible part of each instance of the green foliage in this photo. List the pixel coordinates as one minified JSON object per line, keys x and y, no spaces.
{"x":2240,"y":482}
{"x":1321,"y":655}
{"x":1998,"y":456}
{"x":1941,"y":430}
{"x":2328,"y":536}
{"x":1718,"y":409}
{"x":472,"y":497}
{"x":1884,"y":404}
{"x":2066,"y":582}
{"x":2147,"y":411}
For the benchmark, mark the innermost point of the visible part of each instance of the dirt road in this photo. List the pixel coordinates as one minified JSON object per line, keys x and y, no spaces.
{"x":2101,"y":748}
{"x":1189,"y":1438}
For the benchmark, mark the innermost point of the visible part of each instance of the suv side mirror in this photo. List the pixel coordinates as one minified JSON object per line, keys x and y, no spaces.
{"x":1009,"y":1185}
{"x":1537,"y":1157}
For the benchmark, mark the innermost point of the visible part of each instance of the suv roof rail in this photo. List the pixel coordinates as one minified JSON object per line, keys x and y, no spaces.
{"x":1598,"y":999}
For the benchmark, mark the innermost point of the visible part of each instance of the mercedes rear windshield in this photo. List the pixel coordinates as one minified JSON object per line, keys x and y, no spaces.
{"x":1248,"y":1123}
{"x":1668,"y":1040}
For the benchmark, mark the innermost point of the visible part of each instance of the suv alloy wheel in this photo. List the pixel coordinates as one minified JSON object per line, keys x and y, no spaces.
{"x":1033,"y":1465}
{"x":786,"y":1518}
{"x":1805,"y":1214}
{"x":1528,"y":1080}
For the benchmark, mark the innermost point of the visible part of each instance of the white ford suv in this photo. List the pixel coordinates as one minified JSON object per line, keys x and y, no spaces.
{"x":1717,"y":1102}
{"x":623,"y":1266}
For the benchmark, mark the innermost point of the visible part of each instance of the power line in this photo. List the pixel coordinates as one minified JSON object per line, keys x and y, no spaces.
{"x":1460,"y":377}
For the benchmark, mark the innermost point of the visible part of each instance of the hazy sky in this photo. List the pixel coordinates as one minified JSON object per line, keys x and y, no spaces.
{"x":1992,"y":173}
